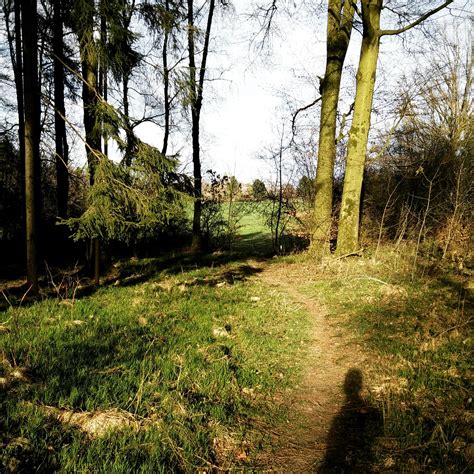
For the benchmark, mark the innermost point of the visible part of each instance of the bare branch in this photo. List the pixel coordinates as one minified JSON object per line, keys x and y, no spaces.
{"x":416,"y":22}
{"x":302,"y":109}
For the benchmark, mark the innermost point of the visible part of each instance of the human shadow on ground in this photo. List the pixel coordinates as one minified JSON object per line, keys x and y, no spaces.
{"x":349,"y":445}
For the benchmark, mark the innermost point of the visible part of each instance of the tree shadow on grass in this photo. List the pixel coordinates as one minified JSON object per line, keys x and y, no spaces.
{"x":136,"y":272}
{"x":353,"y":431}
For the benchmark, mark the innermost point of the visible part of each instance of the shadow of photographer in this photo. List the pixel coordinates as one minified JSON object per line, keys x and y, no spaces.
{"x":349,"y":445}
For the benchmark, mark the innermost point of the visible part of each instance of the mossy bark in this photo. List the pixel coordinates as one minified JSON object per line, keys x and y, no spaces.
{"x":339,"y":27}
{"x":348,"y":234}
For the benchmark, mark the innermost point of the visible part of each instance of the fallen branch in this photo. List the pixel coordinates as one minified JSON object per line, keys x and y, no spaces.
{"x":358,"y":277}
{"x":357,"y":253}
{"x":465,"y":323}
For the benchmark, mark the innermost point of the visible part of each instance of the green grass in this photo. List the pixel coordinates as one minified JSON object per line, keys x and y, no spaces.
{"x":194,"y":355}
{"x":253,"y":222}
{"x":418,"y":332}
{"x":254,"y":235}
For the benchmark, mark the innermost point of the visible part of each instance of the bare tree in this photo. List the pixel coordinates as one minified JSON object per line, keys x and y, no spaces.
{"x":339,"y":28}
{"x":348,"y":234}
{"x":196,"y":88}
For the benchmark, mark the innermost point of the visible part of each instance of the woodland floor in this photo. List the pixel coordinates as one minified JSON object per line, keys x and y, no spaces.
{"x":284,"y":365}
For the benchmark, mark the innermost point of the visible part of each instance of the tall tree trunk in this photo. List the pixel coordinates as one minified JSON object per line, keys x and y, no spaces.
{"x":14,"y":44}
{"x":280,"y":197}
{"x":196,"y":95}
{"x":62,"y":155}
{"x":89,"y":64}
{"x":32,"y":116}
{"x":195,"y":112}
{"x":166,"y":81}
{"x":339,"y":28}
{"x":85,"y":11}
{"x":348,"y":235}
{"x":197,"y":243}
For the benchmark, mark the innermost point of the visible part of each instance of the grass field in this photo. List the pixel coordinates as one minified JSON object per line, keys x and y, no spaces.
{"x":179,"y":367}
{"x":180,"y":364}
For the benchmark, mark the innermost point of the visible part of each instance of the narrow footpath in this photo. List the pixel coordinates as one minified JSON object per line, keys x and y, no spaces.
{"x":330,"y":425}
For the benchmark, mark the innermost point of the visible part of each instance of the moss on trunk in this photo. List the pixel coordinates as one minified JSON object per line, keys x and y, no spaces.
{"x":339,"y":27}
{"x":348,"y":235}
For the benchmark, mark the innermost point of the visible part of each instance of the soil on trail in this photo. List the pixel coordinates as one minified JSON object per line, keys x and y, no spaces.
{"x":330,"y":425}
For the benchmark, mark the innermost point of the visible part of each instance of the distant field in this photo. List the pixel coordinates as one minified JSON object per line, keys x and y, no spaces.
{"x":253,"y":221}
{"x":254,"y":234}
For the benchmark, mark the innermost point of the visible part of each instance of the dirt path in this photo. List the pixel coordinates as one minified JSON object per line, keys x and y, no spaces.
{"x":308,"y":441}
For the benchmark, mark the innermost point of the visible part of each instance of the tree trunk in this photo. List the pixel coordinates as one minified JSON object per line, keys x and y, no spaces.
{"x":197,"y":242}
{"x":90,"y":66}
{"x":280,"y":198}
{"x":166,"y":82}
{"x":196,"y":95}
{"x":89,"y":63}
{"x":32,"y":158}
{"x":339,"y":27}
{"x":62,"y":175}
{"x":348,"y":235}
{"x":14,"y":43}
{"x":131,"y":142}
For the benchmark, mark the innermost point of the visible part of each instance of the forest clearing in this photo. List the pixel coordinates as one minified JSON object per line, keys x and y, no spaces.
{"x":236,"y":363}
{"x":236,"y":236}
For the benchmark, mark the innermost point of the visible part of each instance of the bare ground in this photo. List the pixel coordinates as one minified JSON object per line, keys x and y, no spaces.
{"x":327,"y":413}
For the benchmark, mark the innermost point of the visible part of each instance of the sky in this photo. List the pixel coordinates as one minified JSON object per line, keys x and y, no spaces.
{"x":245,"y":118}
{"x":245,"y":109}
{"x":242,"y":112}
{"x":240,"y":116}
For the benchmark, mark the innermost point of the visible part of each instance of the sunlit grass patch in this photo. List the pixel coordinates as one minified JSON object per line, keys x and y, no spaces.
{"x":418,"y":329}
{"x":188,"y":357}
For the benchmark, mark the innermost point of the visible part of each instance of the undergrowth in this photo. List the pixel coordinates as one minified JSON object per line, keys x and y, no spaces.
{"x":417,"y":326}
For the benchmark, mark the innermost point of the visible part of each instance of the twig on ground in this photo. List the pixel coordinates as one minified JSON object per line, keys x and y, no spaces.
{"x":465,"y":323}
{"x":5,"y":296}
{"x":24,"y":296}
{"x":359,"y":277}
{"x":357,"y":253}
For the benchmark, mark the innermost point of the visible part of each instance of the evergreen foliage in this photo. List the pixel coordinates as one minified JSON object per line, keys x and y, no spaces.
{"x":259,"y":190}
{"x":128,"y":203}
